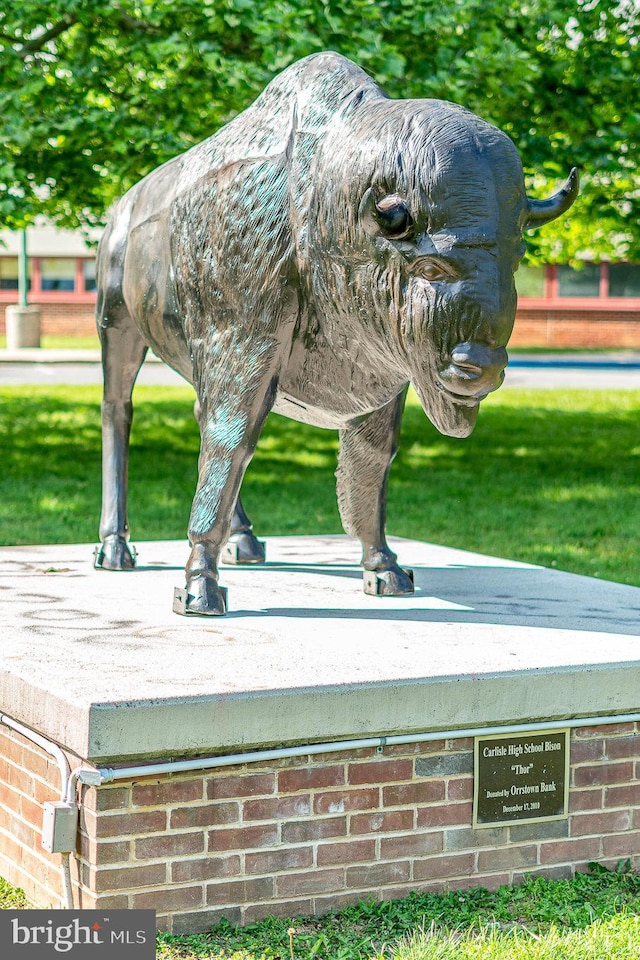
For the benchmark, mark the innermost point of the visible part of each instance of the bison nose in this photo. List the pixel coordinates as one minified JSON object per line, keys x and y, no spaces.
{"x":475,"y":369}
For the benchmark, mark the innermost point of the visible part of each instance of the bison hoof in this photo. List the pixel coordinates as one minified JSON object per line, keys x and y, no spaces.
{"x":114,"y":554}
{"x":202,"y":597}
{"x":396,"y":582}
{"x":244,"y":548}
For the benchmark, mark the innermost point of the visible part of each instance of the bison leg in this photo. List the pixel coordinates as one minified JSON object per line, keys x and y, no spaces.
{"x":232,"y":412}
{"x":364,"y":460}
{"x":243,"y":546}
{"x":123,"y":351}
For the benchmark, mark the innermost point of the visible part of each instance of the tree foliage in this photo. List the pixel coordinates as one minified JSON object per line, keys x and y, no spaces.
{"x":95,"y":94}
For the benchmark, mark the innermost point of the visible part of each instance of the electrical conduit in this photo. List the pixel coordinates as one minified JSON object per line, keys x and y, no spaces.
{"x":63,"y":765}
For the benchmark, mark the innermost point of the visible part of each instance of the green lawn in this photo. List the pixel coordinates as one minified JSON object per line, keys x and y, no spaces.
{"x":550,"y":477}
{"x":591,"y":917}
{"x":550,"y":919}
{"x":614,"y":939}
{"x":48,"y":342}
{"x":594,"y":916}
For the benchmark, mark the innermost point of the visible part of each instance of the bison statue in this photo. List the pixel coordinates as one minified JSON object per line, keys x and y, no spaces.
{"x":322,"y":251}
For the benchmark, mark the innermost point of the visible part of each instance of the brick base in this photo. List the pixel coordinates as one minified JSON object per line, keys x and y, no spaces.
{"x":28,"y":778}
{"x":310,"y":835}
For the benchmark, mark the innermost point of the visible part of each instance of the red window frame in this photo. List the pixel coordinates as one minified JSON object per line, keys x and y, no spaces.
{"x":37,"y":295}
{"x":603,"y":301}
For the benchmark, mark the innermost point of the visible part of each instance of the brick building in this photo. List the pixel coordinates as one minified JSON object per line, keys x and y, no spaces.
{"x":597,"y":306}
{"x":61,"y":279}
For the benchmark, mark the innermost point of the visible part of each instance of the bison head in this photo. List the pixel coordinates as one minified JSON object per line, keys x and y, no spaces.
{"x":419,"y":211}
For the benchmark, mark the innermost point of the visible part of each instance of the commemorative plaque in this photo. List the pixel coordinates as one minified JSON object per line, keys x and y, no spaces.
{"x":520,"y":778}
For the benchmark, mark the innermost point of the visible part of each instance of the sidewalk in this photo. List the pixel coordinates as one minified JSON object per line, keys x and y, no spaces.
{"x":37,"y":366}
{"x":618,"y":370}
{"x":40,"y":355}
{"x":607,"y":360}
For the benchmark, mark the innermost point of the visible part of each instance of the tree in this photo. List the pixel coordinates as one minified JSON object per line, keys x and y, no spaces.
{"x":95,"y":94}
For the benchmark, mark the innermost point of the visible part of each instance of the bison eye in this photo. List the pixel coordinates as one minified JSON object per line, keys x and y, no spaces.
{"x":434,"y":269}
{"x":388,"y":217}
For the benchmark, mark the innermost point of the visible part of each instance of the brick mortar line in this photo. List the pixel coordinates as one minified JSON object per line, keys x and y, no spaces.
{"x":354,"y":891}
{"x":29,"y":747}
{"x":193,"y":858}
{"x":293,"y":870}
{"x":333,"y":788}
{"x":350,"y":892}
{"x":350,"y":814}
{"x":42,"y":856}
{"x":54,"y":895}
{"x":342,"y":838}
{"x":200,"y":804}
{"x":27,"y":823}
{"x":27,"y":772}
{"x":603,"y":731}
{"x":355,"y":763}
{"x":329,"y":788}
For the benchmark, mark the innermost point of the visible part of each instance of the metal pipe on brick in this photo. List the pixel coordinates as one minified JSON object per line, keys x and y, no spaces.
{"x":97,"y":776}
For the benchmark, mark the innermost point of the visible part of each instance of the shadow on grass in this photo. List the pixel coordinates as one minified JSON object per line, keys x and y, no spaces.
{"x":545,"y":478}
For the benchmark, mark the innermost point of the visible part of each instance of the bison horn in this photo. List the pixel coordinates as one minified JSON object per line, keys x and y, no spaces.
{"x":543,"y":211}
{"x":388,"y":217}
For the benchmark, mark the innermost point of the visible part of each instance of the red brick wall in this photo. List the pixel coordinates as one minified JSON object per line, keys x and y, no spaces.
{"x":533,"y":328}
{"x":313,"y":834}
{"x":579,"y":329}
{"x":62,"y":319}
{"x":28,"y":778}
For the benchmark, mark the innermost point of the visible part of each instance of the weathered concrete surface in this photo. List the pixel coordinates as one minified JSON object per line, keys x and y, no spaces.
{"x":97,"y":660}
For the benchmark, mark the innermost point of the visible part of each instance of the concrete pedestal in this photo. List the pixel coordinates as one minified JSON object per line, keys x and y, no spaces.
{"x":23,"y":327}
{"x":97,"y":662}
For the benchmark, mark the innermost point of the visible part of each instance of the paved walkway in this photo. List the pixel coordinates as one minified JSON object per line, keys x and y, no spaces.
{"x":618,"y":370}
{"x":78,"y":367}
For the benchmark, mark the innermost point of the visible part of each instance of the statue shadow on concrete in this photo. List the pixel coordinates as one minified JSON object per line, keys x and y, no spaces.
{"x":524,"y":596}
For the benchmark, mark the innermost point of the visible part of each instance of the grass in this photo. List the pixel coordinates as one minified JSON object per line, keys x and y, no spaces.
{"x":11,"y":898}
{"x":594,"y":916}
{"x":566,"y":916}
{"x":615,"y":939}
{"x":549,"y":477}
{"x":420,"y":925}
{"x":48,"y":342}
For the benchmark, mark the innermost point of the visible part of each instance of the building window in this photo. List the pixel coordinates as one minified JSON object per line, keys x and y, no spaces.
{"x":9,"y":273}
{"x":58,"y":273}
{"x":89,"y":274}
{"x":530,"y":281}
{"x":579,"y":283}
{"x":624,"y":280}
